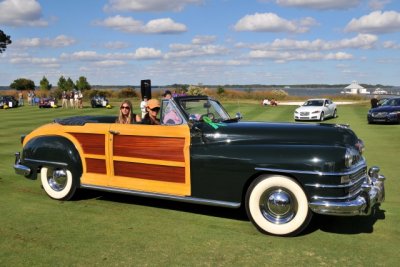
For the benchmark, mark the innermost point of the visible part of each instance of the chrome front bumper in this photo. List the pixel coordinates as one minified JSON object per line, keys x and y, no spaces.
{"x":373,"y":192}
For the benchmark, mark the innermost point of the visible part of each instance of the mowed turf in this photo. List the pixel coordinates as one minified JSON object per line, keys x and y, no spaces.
{"x":105,"y":229}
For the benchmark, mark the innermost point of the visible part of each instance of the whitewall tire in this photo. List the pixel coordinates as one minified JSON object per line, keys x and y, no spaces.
{"x":277,"y":205}
{"x":58,"y":183}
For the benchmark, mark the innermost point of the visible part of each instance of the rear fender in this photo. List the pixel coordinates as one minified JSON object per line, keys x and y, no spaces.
{"x":52,"y":151}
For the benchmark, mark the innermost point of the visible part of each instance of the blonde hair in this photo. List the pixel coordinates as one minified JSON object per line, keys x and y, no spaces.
{"x":125,"y":119}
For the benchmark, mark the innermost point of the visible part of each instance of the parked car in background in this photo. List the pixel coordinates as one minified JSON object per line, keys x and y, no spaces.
{"x":387,"y":112}
{"x":8,"y":101}
{"x":316,"y":109}
{"x":281,"y":173}
{"x":47,"y":102}
{"x":99,"y":101}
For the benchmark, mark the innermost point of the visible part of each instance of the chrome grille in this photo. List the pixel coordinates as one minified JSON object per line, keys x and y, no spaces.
{"x":304,"y":113}
{"x":379,"y":114}
{"x":358,"y":178}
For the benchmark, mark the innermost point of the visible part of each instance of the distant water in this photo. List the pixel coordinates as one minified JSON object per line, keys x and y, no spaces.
{"x":318,"y":92}
{"x":293,"y":91}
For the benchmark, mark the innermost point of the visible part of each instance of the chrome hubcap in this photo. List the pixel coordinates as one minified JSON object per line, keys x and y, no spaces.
{"x":278,"y":206}
{"x":57,"y":179}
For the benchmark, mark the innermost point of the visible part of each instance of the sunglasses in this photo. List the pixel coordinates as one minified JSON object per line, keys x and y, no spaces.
{"x":125,"y":107}
{"x":155,"y":109}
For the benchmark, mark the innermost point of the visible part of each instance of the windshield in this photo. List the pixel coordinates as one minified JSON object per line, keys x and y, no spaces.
{"x":392,"y":102}
{"x":200,"y":108}
{"x":314,"y":103}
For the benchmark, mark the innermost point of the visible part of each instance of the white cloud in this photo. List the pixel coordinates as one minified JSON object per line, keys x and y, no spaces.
{"x":320,"y":4}
{"x":391,"y":45}
{"x":270,"y":22}
{"x":116,"y":45}
{"x":59,"y":41}
{"x":130,"y":25}
{"x":203,"y":39}
{"x":378,"y":4}
{"x":109,"y":63}
{"x":165,"y":25}
{"x":112,"y":58}
{"x":282,"y":57}
{"x":147,"y":53}
{"x":21,"y":13}
{"x":191,"y":50}
{"x":82,"y":55}
{"x":376,"y":22}
{"x":43,"y":62}
{"x":146,"y":5}
{"x":363,"y":41}
{"x":231,"y":62}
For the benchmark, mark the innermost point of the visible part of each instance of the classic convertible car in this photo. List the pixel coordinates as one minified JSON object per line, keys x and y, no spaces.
{"x":199,"y":154}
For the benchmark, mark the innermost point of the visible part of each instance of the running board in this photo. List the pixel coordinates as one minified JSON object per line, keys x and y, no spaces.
{"x":192,"y":200}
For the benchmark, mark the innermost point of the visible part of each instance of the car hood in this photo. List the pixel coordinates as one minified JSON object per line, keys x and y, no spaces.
{"x":280,"y":133}
{"x":385,"y":109}
{"x":308,"y":108}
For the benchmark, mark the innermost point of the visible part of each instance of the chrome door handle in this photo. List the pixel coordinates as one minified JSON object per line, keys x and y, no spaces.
{"x":113,"y":132}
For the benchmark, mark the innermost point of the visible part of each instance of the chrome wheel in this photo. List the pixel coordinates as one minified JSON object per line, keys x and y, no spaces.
{"x":58,"y":183}
{"x":57,"y":179}
{"x":278,"y":206}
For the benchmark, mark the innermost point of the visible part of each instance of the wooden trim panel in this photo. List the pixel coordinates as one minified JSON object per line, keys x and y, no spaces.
{"x":150,"y":171}
{"x":96,"y":166}
{"x":91,"y":143}
{"x":149,"y":147}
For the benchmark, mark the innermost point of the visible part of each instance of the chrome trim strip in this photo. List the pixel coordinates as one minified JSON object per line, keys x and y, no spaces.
{"x":192,"y":200}
{"x":46,"y":162}
{"x":355,"y":168}
{"x":338,"y":198}
{"x":336,"y":186}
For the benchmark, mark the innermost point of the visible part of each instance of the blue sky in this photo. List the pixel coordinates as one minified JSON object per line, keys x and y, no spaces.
{"x":120,"y":42}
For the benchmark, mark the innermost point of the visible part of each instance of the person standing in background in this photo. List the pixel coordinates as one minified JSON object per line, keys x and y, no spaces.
{"x":20,"y":98}
{"x":143,"y":106}
{"x":71,"y":99}
{"x":374,"y":102}
{"x":64,"y":99}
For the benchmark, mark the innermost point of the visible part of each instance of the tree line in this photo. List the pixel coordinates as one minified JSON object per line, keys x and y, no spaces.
{"x":63,"y":84}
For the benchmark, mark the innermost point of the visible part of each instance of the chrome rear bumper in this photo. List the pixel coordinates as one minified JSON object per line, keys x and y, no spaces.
{"x":19,"y":168}
{"x":373,"y":192}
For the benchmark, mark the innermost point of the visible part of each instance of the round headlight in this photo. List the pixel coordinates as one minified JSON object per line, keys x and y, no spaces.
{"x":348,"y":158}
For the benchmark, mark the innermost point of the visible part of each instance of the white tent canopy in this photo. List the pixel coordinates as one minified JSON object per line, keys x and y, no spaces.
{"x":355,"y":88}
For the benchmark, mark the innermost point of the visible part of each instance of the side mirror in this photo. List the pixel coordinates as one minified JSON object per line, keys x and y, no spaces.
{"x":239,"y":116}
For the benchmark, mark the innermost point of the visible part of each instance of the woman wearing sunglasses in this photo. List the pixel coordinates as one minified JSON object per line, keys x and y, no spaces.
{"x":153,"y":107}
{"x":125,"y":114}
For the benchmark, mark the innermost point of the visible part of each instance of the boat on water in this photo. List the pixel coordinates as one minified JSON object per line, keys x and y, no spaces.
{"x":379,"y":91}
{"x":355,"y":89}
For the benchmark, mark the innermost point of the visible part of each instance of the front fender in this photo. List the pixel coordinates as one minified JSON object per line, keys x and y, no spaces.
{"x":53,"y":151}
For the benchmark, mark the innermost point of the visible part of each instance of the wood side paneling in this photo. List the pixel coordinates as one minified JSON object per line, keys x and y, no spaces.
{"x":91,"y":143}
{"x":96,"y":166}
{"x":150,"y":171}
{"x":149,"y":147}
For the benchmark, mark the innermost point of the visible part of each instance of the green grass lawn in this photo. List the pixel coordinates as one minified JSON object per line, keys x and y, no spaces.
{"x":105,"y":229}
